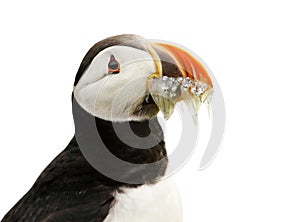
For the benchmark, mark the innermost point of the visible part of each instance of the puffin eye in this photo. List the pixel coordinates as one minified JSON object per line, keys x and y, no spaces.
{"x":113,"y":65}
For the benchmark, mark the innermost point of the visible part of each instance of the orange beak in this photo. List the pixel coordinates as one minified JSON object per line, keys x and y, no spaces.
{"x":189,"y":65}
{"x":179,"y":76}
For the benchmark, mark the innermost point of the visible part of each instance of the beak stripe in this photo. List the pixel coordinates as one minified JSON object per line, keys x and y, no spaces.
{"x":169,"y":64}
{"x":188,"y":64}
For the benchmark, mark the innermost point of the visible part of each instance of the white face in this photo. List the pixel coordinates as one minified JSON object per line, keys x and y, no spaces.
{"x":115,"y":97}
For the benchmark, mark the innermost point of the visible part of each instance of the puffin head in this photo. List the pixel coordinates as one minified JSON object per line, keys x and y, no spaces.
{"x":129,"y":78}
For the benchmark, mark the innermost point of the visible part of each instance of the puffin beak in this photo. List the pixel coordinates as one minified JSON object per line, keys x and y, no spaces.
{"x":179,"y":77}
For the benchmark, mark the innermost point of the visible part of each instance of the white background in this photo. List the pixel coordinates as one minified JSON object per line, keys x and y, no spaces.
{"x":253,"y":48}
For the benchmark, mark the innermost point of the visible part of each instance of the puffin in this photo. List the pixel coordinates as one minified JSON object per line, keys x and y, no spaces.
{"x":113,"y":169}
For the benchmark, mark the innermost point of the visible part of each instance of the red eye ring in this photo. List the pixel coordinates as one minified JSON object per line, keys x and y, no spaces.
{"x":113,"y":65}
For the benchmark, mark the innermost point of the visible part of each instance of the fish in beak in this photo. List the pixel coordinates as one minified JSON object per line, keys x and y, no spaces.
{"x":179,"y":77}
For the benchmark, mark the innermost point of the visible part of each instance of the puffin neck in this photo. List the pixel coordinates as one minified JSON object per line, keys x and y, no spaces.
{"x":108,"y":145}
{"x":138,"y":142}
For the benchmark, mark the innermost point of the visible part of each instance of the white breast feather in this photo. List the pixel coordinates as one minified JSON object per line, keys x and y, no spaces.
{"x":160,"y":202}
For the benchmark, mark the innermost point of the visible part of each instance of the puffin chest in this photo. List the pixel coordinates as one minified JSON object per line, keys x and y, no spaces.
{"x":159,"y":202}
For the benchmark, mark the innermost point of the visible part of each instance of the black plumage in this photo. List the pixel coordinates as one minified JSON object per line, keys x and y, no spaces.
{"x":70,"y":189}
